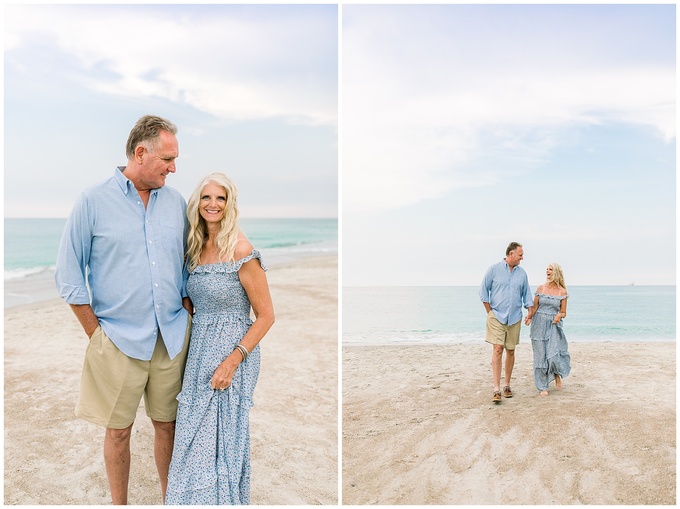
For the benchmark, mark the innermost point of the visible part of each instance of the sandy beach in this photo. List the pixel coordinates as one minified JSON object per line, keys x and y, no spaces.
{"x":53,"y":458}
{"x":419,"y":427}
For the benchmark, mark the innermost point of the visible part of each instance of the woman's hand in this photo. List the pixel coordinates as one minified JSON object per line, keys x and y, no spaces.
{"x":224,"y":373}
{"x":557,"y":318}
{"x":527,"y":320}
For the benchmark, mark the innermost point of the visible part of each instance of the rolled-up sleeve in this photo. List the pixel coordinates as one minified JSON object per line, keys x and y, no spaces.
{"x":74,"y":255}
{"x":485,"y":287}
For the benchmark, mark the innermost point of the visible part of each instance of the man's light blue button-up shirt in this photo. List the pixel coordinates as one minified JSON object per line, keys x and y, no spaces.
{"x":132,"y":258}
{"x":506,"y":291}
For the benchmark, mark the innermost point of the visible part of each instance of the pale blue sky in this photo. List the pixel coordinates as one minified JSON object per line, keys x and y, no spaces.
{"x":465,"y":127}
{"x":252,"y":89}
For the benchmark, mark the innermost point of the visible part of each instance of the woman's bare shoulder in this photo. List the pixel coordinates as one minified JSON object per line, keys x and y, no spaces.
{"x":243,"y":247}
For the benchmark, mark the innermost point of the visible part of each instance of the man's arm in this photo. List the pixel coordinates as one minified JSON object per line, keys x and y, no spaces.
{"x":188,"y":305}
{"x":485,"y":289}
{"x":530,"y":302}
{"x":73,"y":256}
{"x":88,"y":320}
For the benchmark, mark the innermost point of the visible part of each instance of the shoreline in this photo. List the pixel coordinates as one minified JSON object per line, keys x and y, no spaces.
{"x":477,"y":341}
{"x":419,"y":427}
{"x":53,"y":458}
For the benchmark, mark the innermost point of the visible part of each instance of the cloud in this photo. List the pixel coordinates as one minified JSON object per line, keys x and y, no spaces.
{"x":223,"y":60}
{"x":421,"y":113}
{"x":576,"y":234}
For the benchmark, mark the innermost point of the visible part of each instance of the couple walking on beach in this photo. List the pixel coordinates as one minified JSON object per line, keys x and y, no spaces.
{"x":135,"y":263}
{"x":504,"y":291}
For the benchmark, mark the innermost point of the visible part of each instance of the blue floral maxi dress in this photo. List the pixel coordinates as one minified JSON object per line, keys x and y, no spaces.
{"x":211,"y":456}
{"x":551,"y":355}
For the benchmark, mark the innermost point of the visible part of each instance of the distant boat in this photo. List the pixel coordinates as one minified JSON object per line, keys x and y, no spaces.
{"x":632,"y":284}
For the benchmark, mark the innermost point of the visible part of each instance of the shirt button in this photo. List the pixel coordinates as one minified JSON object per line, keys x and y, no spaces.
{"x":153,"y":263}
{"x":156,"y":285}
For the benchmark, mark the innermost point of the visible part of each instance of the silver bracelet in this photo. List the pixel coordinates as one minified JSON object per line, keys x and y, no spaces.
{"x":243,"y":350}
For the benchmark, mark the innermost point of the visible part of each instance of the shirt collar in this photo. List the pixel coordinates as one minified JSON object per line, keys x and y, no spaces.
{"x":125,"y":183}
{"x":508,"y":266}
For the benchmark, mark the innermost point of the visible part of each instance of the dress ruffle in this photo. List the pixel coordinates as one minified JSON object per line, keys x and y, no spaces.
{"x":228,"y":267}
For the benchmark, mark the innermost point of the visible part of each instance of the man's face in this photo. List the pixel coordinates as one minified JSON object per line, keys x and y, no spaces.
{"x":515,"y":257}
{"x":158,"y":162}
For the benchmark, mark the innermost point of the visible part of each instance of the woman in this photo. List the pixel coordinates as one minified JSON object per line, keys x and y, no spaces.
{"x":551,"y":357}
{"x":211,"y":457}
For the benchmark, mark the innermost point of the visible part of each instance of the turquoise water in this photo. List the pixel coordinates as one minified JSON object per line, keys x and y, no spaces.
{"x":292,"y":235}
{"x":31,"y":245}
{"x":388,"y":315}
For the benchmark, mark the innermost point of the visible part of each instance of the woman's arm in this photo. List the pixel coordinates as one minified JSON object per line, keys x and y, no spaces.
{"x":563,"y":312}
{"x":254,"y":282}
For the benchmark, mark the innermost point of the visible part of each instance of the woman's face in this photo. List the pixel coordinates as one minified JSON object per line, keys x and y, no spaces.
{"x":549,"y":273}
{"x":213,"y":202}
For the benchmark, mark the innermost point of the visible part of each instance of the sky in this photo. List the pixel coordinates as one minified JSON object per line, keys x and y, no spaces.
{"x":253,"y":91}
{"x":466,"y":127}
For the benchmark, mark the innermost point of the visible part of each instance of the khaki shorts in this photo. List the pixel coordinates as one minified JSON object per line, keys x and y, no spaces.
{"x":499,"y":334}
{"x":112,"y":383}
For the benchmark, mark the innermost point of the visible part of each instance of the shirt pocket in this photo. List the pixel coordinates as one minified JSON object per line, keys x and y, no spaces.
{"x":172,"y":237}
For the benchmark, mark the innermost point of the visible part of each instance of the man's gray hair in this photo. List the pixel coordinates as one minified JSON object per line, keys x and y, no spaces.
{"x":511,"y":247}
{"x":146,"y":131}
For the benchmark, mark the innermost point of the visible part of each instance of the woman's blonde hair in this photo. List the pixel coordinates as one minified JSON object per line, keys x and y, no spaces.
{"x":229,"y":229}
{"x":557,"y":275}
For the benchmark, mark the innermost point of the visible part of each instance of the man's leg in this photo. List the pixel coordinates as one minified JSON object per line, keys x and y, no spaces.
{"x":117,"y":460}
{"x":496,"y":363}
{"x":509,"y":364}
{"x":160,"y":401}
{"x":164,"y":438}
{"x":511,"y":341}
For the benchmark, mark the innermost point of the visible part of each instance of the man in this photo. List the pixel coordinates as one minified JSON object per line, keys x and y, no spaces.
{"x":125,"y":239}
{"x":505,"y":288}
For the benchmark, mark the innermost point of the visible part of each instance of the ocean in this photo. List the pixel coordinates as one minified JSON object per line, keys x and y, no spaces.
{"x":455,"y":314}
{"x":31,"y":247}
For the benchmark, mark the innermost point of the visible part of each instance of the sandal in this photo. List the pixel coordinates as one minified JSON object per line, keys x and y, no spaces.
{"x":507,"y":392}
{"x":496,"y":396}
